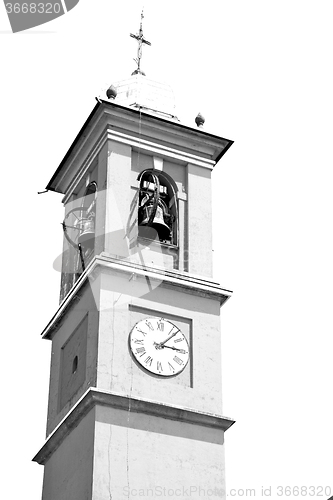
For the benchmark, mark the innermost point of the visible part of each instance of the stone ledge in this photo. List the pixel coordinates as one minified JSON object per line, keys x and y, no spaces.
{"x":93,"y":397}
{"x":185,"y":282}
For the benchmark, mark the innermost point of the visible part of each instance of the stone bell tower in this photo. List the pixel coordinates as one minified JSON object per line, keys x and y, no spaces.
{"x":135,"y":400}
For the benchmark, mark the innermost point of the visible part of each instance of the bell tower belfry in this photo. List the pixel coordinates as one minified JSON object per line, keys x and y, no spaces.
{"x":135,"y":400}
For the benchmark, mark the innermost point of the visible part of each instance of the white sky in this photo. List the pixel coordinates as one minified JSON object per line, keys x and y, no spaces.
{"x":261,"y":74}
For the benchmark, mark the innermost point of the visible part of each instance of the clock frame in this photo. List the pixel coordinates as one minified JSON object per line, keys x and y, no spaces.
{"x":159,"y":347}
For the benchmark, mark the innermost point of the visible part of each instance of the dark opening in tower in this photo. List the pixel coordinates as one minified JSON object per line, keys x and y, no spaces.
{"x":157,"y":212}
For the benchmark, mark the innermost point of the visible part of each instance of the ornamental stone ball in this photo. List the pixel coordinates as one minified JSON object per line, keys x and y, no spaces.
{"x":111,"y":92}
{"x":199,"y":120}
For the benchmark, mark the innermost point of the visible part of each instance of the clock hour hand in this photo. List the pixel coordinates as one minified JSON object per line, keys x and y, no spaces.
{"x":182,"y":351}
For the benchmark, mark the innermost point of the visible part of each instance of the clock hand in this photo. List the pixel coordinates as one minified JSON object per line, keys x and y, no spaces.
{"x":175,"y":349}
{"x":170,"y":337}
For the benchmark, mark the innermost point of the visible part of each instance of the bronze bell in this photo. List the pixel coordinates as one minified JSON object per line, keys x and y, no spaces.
{"x":87,"y":234}
{"x":163,"y":230}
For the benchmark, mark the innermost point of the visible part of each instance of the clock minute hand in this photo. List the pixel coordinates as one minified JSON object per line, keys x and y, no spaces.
{"x":170,"y":337}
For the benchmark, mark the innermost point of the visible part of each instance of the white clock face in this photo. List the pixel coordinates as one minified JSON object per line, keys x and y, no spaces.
{"x":159,"y":346}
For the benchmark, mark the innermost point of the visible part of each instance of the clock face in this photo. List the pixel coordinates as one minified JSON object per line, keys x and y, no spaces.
{"x":159,"y":346}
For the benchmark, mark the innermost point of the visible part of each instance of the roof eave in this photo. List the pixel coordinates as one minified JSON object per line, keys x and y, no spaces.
{"x":53,"y":184}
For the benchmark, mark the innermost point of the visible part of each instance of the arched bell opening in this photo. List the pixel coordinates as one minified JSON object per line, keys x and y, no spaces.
{"x":157,"y":211}
{"x":82,"y":230}
{"x":86,"y":237}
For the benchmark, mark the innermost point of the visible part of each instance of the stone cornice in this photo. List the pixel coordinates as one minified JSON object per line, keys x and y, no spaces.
{"x":137,"y":143}
{"x":186,"y":283}
{"x":93,"y":397}
{"x":157,"y":135}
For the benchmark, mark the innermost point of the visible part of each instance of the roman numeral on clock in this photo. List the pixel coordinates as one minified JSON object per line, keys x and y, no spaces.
{"x":141,"y":349}
{"x":160,"y":326}
{"x":178,"y":360}
{"x":148,"y":360}
{"x":179,"y":340}
{"x":150,"y":326}
{"x":159,"y":366}
{"x":141,"y":331}
{"x":138,"y":341}
{"x":172,"y":332}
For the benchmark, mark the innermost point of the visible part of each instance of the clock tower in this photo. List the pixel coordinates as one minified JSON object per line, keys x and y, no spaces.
{"x":135,"y":403}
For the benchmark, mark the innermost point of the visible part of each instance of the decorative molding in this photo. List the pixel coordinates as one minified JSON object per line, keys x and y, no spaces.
{"x":158,"y":149}
{"x":170,"y":139}
{"x":94,"y":396}
{"x":137,"y":144}
{"x":187,"y":283}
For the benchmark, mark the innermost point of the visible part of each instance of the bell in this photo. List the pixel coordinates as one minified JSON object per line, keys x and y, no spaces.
{"x":163,"y":230}
{"x":87,"y":235}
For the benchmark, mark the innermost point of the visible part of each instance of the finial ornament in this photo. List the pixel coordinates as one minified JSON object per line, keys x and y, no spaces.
{"x":111,"y":92}
{"x":199,"y":120}
{"x":141,"y":40}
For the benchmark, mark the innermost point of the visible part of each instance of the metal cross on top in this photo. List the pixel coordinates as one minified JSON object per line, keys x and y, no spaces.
{"x":141,"y":40}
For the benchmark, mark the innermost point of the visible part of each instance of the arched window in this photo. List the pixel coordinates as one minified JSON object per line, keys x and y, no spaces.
{"x":79,"y":231}
{"x":158,"y":211}
{"x":86,"y":237}
{"x":84,"y":227}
